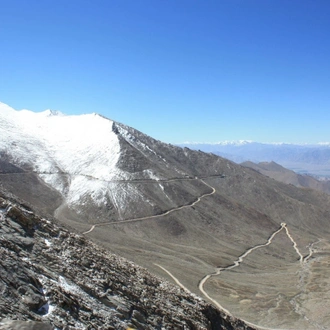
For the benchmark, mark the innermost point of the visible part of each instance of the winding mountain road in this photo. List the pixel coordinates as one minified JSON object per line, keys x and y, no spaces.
{"x":149,"y":217}
{"x":214,"y":301}
{"x":240,"y":260}
{"x":174,"y":278}
{"x":236,"y":263}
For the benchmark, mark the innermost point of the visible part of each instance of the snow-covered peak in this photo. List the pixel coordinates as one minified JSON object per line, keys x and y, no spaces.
{"x":238,"y":143}
{"x":52,"y":142}
{"x":324,"y":144}
{"x":235,"y":143}
{"x":222,"y":143}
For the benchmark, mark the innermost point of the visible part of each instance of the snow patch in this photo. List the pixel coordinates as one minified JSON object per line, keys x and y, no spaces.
{"x":48,"y":243}
{"x":69,"y":288}
{"x":163,"y":189}
{"x":72,"y":288}
{"x":83,"y":188}
{"x":137,"y":143}
{"x":58,"y":181}
{"x":46,"y":309}
{"x":151,"y":175}
{"x":122,"y":195}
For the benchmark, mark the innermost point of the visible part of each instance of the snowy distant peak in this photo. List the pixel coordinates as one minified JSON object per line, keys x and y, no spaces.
{"x":238,"y":143}
{"x":221,"y":143}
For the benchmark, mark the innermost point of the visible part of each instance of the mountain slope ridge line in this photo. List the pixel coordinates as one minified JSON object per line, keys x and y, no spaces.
{"x":154,"y":216}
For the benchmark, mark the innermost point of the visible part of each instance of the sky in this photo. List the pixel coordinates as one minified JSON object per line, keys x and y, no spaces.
{"x":177,"y":70}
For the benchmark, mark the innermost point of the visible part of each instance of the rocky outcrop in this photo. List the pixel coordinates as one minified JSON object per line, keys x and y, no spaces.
{"x":53,"y":276}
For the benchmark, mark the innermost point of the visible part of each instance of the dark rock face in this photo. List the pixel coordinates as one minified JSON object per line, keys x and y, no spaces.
{"x":55,"y":278}
{"x":28,"y":186}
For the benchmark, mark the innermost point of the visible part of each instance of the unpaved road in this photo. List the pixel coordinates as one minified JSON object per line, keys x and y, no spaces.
{"x":215,"y":302}
{"x":174,"y":278}
{"x":236,"y":263}
{"x":240,"y":260}
{"x":149,"y":217}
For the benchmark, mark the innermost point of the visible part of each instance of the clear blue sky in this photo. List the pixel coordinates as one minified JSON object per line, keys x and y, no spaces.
{"x":178,"y":70}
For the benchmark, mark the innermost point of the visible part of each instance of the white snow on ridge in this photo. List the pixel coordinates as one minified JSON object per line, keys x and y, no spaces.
{"x":53,"y":142}
{"x":222,"y":143}
{"x":83,"y":187}
{"x":76,"y":155}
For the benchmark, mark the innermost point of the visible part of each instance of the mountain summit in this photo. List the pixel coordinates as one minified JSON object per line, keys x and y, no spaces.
{"x":254,"y":247}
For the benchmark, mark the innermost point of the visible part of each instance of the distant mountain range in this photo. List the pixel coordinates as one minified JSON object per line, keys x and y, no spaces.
{"x":278,"y":172}
{"x":254,"y":247}
{"x":302,"y":158}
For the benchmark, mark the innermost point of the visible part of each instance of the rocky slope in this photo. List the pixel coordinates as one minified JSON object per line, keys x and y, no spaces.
{"x":53,"y":276}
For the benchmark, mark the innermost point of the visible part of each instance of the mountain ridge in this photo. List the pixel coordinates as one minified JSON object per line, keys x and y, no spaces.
{"x":278,"y":172}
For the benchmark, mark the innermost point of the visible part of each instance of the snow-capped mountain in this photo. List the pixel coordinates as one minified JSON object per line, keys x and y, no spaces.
{"x":220,"y":143}
{"x":52,"y":144}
